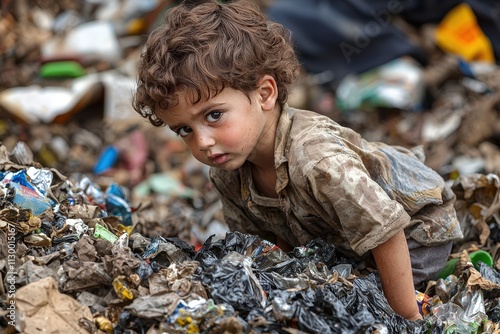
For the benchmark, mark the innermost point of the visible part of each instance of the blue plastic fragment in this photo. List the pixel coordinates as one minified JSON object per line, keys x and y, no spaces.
{"x":117,"y":205}
{"x":106,"y":160}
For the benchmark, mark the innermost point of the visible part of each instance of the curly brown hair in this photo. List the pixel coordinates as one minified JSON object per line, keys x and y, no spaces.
{"x":205,"y":48}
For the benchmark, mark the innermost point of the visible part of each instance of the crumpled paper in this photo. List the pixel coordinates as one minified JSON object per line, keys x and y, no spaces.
{"x":478,"y":199}
{"x":43,"y":309}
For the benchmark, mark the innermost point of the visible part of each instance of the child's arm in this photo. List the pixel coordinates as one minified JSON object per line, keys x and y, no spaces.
{"x":394,"y":266}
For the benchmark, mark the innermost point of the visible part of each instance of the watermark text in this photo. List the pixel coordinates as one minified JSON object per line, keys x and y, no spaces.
{"x":361,"y":37}
{"x":10,"y":278}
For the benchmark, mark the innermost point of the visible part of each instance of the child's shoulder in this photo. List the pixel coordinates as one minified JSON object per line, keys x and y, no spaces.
{"x":308,"y":130}
{"x":305,"y":138}
{"x":309,"y":126}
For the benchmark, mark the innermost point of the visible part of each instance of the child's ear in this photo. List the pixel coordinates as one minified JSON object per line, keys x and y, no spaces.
{"x":268,"y":92}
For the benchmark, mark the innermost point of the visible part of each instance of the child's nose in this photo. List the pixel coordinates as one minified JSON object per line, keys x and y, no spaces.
{"x":204,"y":140}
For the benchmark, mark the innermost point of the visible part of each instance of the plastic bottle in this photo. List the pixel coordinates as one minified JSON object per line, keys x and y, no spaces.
{"x":475,"y":257}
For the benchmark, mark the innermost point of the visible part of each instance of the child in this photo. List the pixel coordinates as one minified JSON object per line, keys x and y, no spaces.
{"x":218,"y":75}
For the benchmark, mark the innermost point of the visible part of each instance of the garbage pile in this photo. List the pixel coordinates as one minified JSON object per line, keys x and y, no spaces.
{"x":66,"y":96}
{"x":71,"y":261}
{"x":406,"y":73}
{"x":108,"y":225}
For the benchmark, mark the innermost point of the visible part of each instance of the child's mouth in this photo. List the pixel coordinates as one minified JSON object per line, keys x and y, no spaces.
{"x":219,"y":159}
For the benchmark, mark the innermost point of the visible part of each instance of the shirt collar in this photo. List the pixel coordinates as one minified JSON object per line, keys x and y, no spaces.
{"x":281,"y":146}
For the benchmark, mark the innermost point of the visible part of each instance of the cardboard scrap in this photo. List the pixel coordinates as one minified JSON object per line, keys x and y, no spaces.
{"x":43,"y":309}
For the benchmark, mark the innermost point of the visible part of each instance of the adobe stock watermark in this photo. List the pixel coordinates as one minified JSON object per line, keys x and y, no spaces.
{"x":363,"y":37}
{"x":11,"y":275}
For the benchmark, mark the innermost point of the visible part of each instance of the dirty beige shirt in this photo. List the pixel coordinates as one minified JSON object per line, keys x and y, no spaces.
{"x":335,"y":185}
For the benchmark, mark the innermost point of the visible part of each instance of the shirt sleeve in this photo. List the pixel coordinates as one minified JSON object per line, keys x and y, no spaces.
{"x":343,"y":187}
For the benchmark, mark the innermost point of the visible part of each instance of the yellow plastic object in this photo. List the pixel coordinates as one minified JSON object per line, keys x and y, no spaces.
{"x":425,"y":302}
{"x":4,"y":127}
{"x":104,"y":324}
{"x":122,"y":289}
{"x":125,"y":229}
{"x":136,"y":27}
{"x":188,"y":324}
{"x":459,"y":33}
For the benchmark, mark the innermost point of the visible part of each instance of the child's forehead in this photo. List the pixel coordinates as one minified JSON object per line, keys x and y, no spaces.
{"x":179,"y":101}
{"x":186,"y":98}
{"x":196,"y":95}
{"x":192,"y":96}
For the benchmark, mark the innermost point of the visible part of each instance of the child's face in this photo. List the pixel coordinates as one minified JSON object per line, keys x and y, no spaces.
{"x":223,"y":131}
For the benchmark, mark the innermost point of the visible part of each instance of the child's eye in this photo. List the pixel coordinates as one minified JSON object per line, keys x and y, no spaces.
{"x":184,"y":131}
{"x":214,"y":116}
